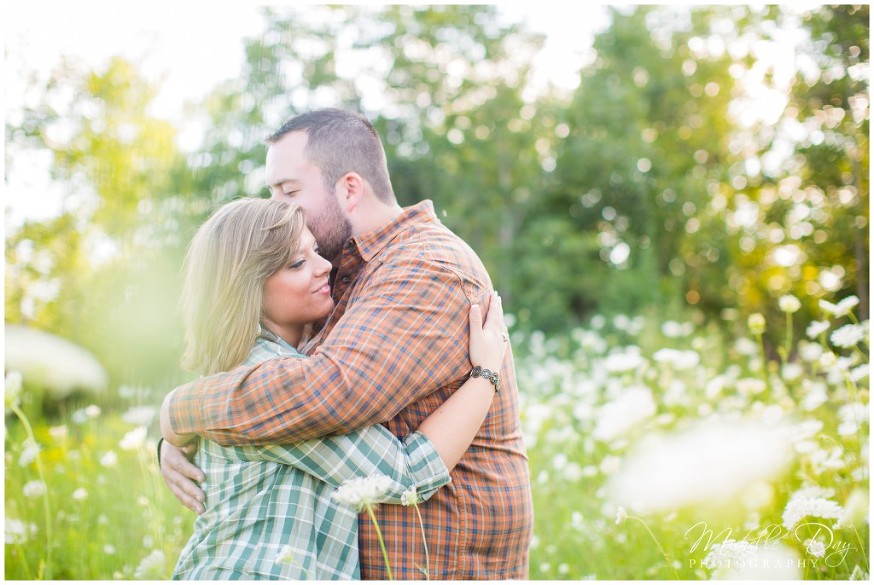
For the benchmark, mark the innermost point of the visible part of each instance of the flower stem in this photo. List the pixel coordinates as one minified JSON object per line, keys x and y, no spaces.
{"x":658,"y":544}
{"x":788,"y":348}
{"x":45,"y":496}
{"x":425,"y":544}
{"x":381,"y":541}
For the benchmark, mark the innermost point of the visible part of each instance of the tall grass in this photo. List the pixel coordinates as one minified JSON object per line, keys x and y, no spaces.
{"x":658,"y":450}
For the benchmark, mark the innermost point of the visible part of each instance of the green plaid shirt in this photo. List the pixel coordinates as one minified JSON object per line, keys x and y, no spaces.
{"x":260,"y":500}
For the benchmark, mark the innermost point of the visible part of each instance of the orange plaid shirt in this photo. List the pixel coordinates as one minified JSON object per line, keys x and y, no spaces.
{"x":394,"y":348}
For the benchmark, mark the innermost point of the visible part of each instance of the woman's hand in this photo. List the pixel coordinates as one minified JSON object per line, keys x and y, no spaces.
{"x":489,"y":340}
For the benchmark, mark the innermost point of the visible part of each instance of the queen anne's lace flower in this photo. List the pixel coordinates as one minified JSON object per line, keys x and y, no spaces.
{"x":363,"y":491}
{"x":756,"y":323}
{"x":848,"y":335}
{"x":410,"y":497}
{"x":134,"y":439}
{"x":789,"y":304}
{"x":816,"y":328}
{"x":842,"y":308}
{"x":810,"y":502}
{"x":34,"y":489}
{"x":151,"y":567}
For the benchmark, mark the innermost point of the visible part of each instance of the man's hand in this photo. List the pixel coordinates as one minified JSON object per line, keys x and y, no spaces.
{"x":180,"y":475}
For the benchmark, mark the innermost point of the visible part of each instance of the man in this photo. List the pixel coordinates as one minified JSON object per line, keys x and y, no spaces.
{"x":392,"y":351}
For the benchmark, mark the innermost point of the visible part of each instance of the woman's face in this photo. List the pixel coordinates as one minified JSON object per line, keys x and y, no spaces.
{"x":298,"y":293}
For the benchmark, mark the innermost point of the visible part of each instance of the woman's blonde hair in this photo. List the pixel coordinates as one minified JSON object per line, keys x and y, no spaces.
{"x":228,"y":260}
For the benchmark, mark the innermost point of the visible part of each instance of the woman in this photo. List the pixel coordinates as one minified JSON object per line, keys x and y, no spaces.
{"x":254,"y":284}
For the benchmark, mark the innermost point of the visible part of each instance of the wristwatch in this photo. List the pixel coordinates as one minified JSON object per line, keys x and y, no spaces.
{"x":481,"y":372}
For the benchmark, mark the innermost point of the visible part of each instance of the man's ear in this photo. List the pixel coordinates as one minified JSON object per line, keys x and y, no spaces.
{"x":351,"y":190}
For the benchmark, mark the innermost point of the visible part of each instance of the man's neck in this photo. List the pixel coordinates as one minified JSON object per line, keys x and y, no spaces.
{"x":375,"y":217}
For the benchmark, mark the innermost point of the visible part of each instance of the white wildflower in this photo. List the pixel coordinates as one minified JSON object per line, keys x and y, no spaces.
{"x":789,"y":304}
{"x":79,"y":417}
{"x":727,"y":553}
{"x":610,"y":464}
{"x":618,"y":417}
{"x":623,"y":361}
{"x":729,"y":457}
{"x":791,"y":371}
{"x":54,"y":364}
{"x":17,"y":532}
{"x":816,"y":328}
{"x":92,"y":411}
{"x":749,"y":562}
{"x":34,"y":489}
{"x":855,"y":509}
{"x":814,"y":548}
{"x":28,"y":453}
{"x":854,"y":411}
{"x":676,"y":358}
{"x":363,"y":491}
{"x":12,"y":388}
{"x":674,"y":329}
{"x":141,"y":416}
{"x":756,"y":323}
{"x":285,"y":555}
{"x":823,"y":460}
{"x":751,"y":386}
{"x":108,"y":549}
{"x":806,"y":429}
{"x":858,"y":574}
{"x":809,"y":351}
{"x":80,"y":494}
{"x":859,"y":373}
{"x":746,"y":346}
{"x":410,"y":497}
{"x":810,"y":502}
{"x":842,"y":308}
{"x":828,"y":360}
{"x":58,"y":433}
{"x":848,"y":336}
{"x":133,"y":439}
{"x":152,"y":567}
{"x":621,"y":515}
{"x":110,"y":459}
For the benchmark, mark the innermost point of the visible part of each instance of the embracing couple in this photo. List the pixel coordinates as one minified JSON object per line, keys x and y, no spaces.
{"x":341,"y":336}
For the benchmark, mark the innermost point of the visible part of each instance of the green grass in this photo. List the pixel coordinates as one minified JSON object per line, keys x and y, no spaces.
{"x":109,"y":519}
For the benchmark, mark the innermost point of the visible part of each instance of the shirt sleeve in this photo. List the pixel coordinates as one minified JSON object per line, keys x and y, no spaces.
{"x":404,"y":335}
{"x":413,"y":462}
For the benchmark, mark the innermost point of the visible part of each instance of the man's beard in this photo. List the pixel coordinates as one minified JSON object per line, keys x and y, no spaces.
{"x":331,"y":231}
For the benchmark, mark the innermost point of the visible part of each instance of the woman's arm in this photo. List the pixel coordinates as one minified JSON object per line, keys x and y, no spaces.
{"x":453,"y":426}
{"x":424,"y":458}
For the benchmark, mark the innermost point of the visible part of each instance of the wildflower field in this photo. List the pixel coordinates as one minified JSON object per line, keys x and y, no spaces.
{"x":658,"y":449}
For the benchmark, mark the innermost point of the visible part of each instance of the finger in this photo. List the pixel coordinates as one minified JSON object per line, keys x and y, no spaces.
{"x":185,"y":490}
{"x":184,"y":467}
{"x":188,"y":501}
{"x":495,"y":318}
{"x":476,"y":320}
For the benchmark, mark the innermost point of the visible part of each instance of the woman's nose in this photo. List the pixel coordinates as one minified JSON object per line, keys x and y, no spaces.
{"x":324,"y":266}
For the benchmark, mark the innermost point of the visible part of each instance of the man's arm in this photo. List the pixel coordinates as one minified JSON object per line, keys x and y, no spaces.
{"x":403,"y":336}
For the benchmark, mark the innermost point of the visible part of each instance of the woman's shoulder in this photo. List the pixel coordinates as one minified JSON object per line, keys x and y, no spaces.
{"x":269,"y":346}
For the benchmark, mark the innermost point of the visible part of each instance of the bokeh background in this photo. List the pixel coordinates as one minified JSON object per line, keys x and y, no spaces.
{"x":673,"y":202}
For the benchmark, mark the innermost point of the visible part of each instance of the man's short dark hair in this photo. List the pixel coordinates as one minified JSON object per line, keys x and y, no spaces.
{"x":339,"y":142}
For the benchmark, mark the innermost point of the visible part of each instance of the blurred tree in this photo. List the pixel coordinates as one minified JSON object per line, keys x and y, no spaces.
{"x":798,"y":208}
{"x":645,"y":141}
{"x":95,"y":274}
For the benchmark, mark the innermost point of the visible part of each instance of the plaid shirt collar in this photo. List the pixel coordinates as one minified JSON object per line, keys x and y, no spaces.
{"x":372,"y":243}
